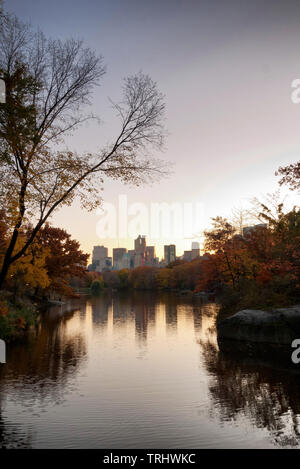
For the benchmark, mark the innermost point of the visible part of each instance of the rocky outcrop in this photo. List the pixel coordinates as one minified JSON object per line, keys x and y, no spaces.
{"x":278,"y":326}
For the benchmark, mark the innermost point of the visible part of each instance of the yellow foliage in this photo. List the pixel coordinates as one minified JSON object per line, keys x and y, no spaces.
{"x":30,"y":269}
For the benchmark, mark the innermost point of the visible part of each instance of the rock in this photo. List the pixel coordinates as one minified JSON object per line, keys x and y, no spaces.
{"x":278,"y":326}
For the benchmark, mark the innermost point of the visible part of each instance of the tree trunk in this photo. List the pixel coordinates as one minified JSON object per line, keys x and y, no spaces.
{"x":7,"y":258}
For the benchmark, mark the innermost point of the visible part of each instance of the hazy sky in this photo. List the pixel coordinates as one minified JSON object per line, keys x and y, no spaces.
{"x":225,"y":68}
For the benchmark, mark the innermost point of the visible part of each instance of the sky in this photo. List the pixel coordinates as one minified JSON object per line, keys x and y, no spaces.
{"x":225,"y":69}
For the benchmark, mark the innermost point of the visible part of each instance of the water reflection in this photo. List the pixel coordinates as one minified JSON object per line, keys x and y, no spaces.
{"x":268,"y":396}
{"x":125,"y":371}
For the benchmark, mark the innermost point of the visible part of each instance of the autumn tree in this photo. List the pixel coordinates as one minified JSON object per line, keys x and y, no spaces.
{"x":64,"y":257}
{"x":48,"y":85}
{"x":217,"y":241}
{"x":29,"y":273}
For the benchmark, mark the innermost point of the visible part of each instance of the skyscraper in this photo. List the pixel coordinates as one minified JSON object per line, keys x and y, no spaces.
{"x":150,"y":255}
{"x":99,"y":252}
{"x":118,"y":255}
{"x":140,"y":245}
{"x":170,"y":253}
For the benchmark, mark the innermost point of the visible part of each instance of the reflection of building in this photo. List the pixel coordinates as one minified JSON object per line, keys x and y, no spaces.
{"x":171,"y":315}
{"x":141,"y":321}
{"x":100,"y":307}
{"x":170,"y":253}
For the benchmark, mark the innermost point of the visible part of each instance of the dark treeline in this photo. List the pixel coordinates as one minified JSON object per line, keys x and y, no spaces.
{"x":259,"y":269}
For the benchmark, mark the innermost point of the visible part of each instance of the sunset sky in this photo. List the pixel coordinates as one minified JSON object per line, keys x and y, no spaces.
{"x":226,"y":70}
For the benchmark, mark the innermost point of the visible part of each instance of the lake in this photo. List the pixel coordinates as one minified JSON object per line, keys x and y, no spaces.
{"x":141,"y":370}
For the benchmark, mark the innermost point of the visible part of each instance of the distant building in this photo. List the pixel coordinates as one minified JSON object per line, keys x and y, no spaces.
{"x":187,"y":256}
{"x":195,"y":253}
{"x":99,"y":252}
{"x":139,"y":260}
{"x":123,"y":263}
{"x":100,"y":260}
{"x":117,"y":256}
{"x":170,"y":253}
{"x":140,"y":245}
{"x":101,"y":265}
{"x":131,"y":254}
{"x":105,"y":264}
{"x":150,"y":255}
{"x":195,"y":245}
{"x":250,"y":229}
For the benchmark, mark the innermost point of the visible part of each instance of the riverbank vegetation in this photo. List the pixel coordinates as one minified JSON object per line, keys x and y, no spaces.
{"x":42,"y":274}
{"x":259,"y":268}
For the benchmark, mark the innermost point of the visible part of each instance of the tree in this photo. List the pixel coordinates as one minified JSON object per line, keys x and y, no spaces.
{"x":123,"y":275}
{"x":239,"y":218}
{"x":290,"y":175}
{"x":64,"y":258}
{"x":217,"y":240}
{"x":48,"y":83}
{"x":97,"y":286}
{"x":29,"y":273}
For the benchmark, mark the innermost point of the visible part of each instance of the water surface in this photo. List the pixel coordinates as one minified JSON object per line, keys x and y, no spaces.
{"x":141,"y":371}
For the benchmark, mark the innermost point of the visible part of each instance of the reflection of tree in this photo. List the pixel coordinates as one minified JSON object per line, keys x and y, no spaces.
{"x":269,"y":397}
{"x":137,"y":305}
{"x":100,"y":308}
{"x":11,"y":436}
{"x":40,"y":369}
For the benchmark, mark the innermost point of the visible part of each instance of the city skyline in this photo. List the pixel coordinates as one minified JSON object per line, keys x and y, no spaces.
{"x":141,"y":255}
{"x":229,"y":108}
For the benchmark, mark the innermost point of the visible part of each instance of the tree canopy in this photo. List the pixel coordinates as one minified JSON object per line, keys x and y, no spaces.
{"x":49,"y":84}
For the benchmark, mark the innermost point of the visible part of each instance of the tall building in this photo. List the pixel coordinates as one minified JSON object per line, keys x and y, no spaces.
{"x":187,"y":256}
{"x":195,"y":245}
{"x":150,"y":255}
{"x":118,"y":255}
{"x":100,"y":260}
{"x":140,"y":245}
{"x":131,"y":254}
{"x":99,"y":252}
{"x":123,"y":262}
{"x":139,"y":260}
{"x":104,"y":264}
{"x":170,"y":253}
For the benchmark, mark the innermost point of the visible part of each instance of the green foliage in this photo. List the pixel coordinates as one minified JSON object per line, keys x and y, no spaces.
{"x":97,"y":286}
{"x":124,"y":278}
